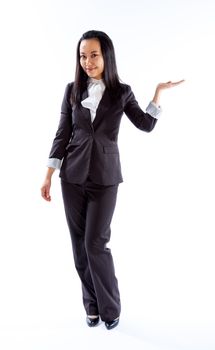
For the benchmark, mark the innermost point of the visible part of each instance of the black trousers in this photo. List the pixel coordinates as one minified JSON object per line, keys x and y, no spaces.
{"x":89,"y":210}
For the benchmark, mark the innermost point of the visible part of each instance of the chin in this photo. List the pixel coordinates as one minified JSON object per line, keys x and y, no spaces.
{"x":94,"y":75}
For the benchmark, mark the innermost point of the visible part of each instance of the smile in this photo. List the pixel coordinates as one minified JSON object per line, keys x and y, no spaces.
{"x":89,"y":69}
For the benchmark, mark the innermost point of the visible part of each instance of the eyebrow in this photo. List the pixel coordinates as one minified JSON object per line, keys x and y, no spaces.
{"x":94,"y":51}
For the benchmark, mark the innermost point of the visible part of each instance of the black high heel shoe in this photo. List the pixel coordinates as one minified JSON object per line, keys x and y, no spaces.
{"x":92,"y":321}
{"x":112,"y":324}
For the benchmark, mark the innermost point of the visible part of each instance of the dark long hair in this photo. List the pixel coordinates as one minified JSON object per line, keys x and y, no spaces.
{"x":110,"y":75}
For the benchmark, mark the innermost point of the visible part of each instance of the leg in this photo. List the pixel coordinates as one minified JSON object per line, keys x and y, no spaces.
{"x":100,"y":209}
{"x":75,"y":204}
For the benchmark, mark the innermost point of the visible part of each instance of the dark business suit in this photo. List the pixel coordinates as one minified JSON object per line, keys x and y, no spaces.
{"x":90,"y":175}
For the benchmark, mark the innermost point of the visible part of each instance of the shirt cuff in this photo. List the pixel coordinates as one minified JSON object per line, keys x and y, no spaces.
{"x":54,"y":163}
{"x":154,"y":110}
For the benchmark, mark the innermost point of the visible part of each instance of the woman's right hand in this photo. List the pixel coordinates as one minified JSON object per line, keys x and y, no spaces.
{"x":45,"y":190}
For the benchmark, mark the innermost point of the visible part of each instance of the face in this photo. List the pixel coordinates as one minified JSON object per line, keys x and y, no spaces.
{"x":91,"y":58}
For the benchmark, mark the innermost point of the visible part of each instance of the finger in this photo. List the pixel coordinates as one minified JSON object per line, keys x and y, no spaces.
{"x":171,"y":84}
{"x":45,"y":194}
{"x":178,"y":82}
{"x":48,"y":198}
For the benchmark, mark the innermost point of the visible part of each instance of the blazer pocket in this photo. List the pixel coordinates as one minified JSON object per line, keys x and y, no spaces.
{"x":71,"y":146}
{"x":111,"y":149}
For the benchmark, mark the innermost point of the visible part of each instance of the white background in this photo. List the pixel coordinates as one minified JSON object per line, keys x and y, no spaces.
{"x":163,"y":227}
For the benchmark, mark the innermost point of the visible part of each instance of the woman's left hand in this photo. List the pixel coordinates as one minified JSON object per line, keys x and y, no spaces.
{"x":169,"y":84}
{"x":163,"y":86}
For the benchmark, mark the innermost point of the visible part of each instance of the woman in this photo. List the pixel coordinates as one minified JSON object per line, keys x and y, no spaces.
{"x":86,"y":152}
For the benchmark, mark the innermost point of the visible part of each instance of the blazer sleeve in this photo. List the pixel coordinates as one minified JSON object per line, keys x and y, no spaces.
{"x":142,"y":120}
{"x":64,"y":131}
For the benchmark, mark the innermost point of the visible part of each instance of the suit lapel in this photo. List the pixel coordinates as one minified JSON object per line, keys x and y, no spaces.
{"x":85,"y":111}
{"x":102,"y":108}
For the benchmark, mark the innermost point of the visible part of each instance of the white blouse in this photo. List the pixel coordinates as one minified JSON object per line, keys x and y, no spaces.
{"x":96,"y":89}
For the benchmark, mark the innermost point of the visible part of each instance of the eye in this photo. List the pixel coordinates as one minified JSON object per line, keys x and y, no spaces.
{"x":94,"y":55}
{"x":83,"y":57}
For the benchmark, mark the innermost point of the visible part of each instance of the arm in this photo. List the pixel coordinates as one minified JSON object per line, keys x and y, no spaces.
{"x":146,"y":121}
{"x":60,"y":142}
{"x":64,"y":132}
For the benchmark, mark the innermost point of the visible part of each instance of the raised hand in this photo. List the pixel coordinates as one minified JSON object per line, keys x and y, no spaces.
{"x":163,"y":86}
{"x":169,"y":84}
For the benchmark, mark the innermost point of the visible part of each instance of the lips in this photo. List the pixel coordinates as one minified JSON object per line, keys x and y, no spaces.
{"x":90,"y":69}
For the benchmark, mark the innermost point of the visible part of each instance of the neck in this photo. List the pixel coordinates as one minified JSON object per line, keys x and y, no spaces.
{"x":95,"y":80}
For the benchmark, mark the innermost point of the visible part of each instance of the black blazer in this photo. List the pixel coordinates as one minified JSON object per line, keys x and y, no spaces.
{"x":90,"y":149}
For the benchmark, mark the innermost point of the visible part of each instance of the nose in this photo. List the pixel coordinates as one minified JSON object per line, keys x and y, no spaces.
{"x":88,"y":61}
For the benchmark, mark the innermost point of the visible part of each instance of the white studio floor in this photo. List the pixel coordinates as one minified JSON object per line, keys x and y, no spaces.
{"x":128,"y":335}
{"x":132,"y":333}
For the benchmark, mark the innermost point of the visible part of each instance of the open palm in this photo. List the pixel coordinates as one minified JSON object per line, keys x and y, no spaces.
{"x":169,"y":84}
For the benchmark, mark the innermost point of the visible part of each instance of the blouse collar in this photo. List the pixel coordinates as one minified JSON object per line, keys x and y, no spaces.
{"x":96,"y":81}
